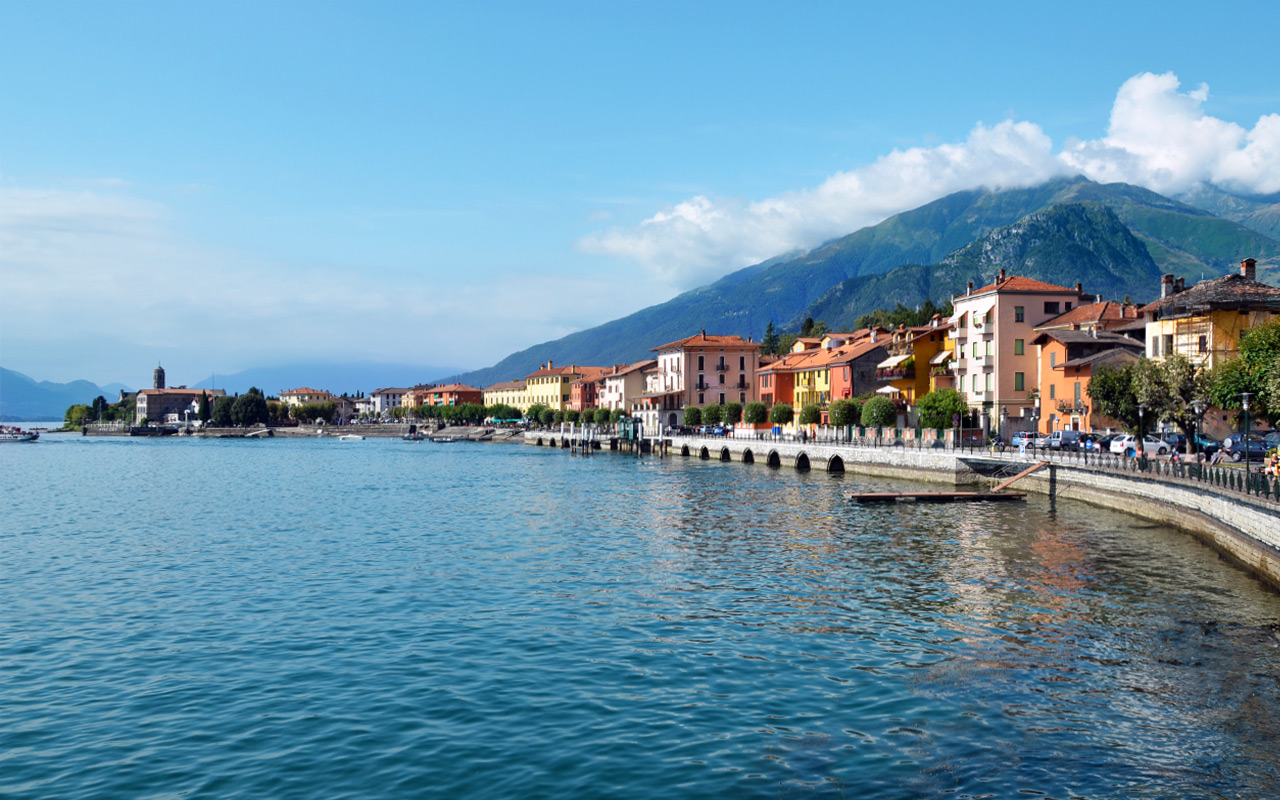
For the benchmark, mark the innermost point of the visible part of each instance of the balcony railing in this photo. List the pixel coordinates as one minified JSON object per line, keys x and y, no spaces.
{"x":742,"y":383}
{"x":1065,"y":407}
{"x":894,"y":374}
{"x":722,"y":367}
{"x":702,"y":386}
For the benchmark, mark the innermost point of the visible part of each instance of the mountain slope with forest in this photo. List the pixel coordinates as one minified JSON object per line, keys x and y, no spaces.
{"x":1180,"y":238}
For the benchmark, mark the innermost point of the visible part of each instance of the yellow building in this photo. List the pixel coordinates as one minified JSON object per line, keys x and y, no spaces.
{"x":1204,"y":323}
{"x":552,"y":385}
{"x":908,"y":373}
{"x":511,"y":393}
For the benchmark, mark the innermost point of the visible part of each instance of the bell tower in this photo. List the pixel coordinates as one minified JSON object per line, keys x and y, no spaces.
{"x":157,"y":378}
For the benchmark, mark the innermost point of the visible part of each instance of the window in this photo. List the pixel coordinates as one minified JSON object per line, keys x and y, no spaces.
{"x":1053,"y":360}
{"x":990,"y":378}
{"x":700,"y":367}
{"x":976,"y":353}
{"x":960,"y":322}
{"x":722,"y":398}
{"x":701,"y":398}
{"x":1067,"y":307}
{"x":742,"y":397}
{"x":742,"y":363}
{"x":1203,"y":344}
{"x":1077,"y":392}
{"x":846,"y":372}
{"x":977,"y":387}
{"x":1018,"y":384}
{"x":1053,"y":391}
{"x":1019,"y":314}
{"x":1051,"y":308}
{"x":721,"y":378}
{"x":1168,"y":344}
{"x":1017,"y":347}
{"x":990,"y":345}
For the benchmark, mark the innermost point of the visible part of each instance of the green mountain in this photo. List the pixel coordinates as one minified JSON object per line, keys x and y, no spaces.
{"x":1068,"y":243}
{"x":1181,"y":239}
{"x":1259,"y":213}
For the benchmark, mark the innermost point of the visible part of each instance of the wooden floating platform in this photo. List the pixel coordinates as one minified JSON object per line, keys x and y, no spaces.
{"x":934,"y":497}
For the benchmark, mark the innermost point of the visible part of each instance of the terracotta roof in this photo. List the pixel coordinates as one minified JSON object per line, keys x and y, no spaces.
{"x":454,"y":387}
{"x":626,"y":369}
{"x":1227,"y":292}
{"x":1017,"y":283}
{"x":389,"y":391}
{"x":303,"y":390}
{"x":210,"y":392}
{"x":703,"y":340}
{"x":816,"y":359}
{"x":506,"y":385}
{"x":1101,"y":313}
{"x":545,"y":372}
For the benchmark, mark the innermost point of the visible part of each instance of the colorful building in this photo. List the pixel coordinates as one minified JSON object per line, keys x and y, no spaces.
{"x":1205,"y":322}
{"x":453,"y":394}
{"x":510,"y":393}
{"x":996,"y":367}
{"x":698,"y":370}
{"x":1067,"y":360}
{"x":623,"y":383}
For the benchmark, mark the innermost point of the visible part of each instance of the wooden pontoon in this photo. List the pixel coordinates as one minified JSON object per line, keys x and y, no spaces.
{"x":996,"y":495}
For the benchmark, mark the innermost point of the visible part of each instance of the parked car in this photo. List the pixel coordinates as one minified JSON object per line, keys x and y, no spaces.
{"x":1235,"y":446}
{"x":1025,"y":439}
{"x":1150,"y":444}
{"x":1272,"y":439}
{"x":1177,"y":441}
{"x":1042,"y":440}
{"x":1064,"y":440}
{"x":1104,"y":444}
{"x":1206,"y":445}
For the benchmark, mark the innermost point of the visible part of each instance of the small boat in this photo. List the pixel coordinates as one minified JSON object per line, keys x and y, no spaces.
{"x":18,"y":435}
{"x":413,"y":437}
{"x":351,"y":437}
{"x":443,"y":439}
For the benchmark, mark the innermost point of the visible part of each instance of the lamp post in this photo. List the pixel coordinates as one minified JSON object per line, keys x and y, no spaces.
{"x":1141,"y":427}
{"x":1244,"y":403}
{"x":1195,"y":429}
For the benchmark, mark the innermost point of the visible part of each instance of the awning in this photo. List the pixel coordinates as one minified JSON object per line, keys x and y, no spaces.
{"x":941,"y":357}
{"x":888,"y":390}
{"x":892,"y":361}
{"x":979,"y":311}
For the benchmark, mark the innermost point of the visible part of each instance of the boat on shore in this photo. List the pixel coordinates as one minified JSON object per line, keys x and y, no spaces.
{"x":8,"y":434}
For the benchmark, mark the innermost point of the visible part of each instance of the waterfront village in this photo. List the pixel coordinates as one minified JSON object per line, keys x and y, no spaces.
{"x":1017,"y":355}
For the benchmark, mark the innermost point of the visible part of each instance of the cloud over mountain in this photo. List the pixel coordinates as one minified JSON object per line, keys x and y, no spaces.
{"x":1158,"y":137}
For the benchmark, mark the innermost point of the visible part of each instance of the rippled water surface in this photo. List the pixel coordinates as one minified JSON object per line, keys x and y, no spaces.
{"x":390,"y":619}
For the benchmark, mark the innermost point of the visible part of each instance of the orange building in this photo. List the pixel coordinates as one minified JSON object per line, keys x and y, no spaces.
{"x":1067,"y":360}
{"x":584,"y":393}
{"x":453,"y":394}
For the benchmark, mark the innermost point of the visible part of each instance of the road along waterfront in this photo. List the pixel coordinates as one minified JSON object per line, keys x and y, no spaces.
{"x":300,"y":618}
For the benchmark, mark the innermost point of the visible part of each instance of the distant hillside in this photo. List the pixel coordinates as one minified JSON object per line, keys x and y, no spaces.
{"x":1070,"y":242}
{"x":1259,"y":213}
{"x":336,"y":378}
{"x":1181,"y":239}
{"x":22,"y":398}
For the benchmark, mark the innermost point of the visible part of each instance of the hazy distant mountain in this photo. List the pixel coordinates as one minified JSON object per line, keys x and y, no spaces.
{"x":22,"y":398}
{"x":1070,"y":242}
{"x":1179,"y":238}
{"x":337,"y":378}
{"x":1259,"y":213}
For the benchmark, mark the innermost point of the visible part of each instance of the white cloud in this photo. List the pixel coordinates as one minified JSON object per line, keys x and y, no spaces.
{"x":1158,"y":137}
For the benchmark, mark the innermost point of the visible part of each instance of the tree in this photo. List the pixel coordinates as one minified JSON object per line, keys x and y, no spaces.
{"x":938,"y":408}
{"x":78,"y":414}
{"x":1170,"y":389}
{"x":221,"y":414}
{"x":602,"y":416}
{"x":99,"y":407}
{"x":546,"y":416}
{"x":616,"y":415}
{"x":712,"y":414}
{"x":732,"y":413}
{"x":811,"y":414}
{"x":1112,"y":392}
{"x":534,"y":413}
{"x":205,"y":411}
{"x":692,"y":416}
{"x":842,"y":413}
{"x":806,"y":330}
{"x":249,"y":408}
{"x":1256,"y":371}
{"x":769,"y":344}
{"x":781,"y":414}
{"x":755,"y":413}
{"x":879,"y":412}
{"x":572,"y":416}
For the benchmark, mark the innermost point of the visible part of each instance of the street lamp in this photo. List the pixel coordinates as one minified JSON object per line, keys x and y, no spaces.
{"x":1141,"y":427}
{"x":1195,"y":429}
{"x":1244,"y":403}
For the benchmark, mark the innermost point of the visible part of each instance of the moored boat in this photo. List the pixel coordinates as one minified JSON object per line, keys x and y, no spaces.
{"x":8,"y":434}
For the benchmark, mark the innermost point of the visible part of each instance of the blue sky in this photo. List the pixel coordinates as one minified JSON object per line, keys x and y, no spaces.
{"x":221,"y":186}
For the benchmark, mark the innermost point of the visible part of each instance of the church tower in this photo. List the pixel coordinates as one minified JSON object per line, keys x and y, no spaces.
{"x":157,"y":378}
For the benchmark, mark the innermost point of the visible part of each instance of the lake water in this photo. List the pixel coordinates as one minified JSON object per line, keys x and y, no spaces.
{"x":296,"y":619}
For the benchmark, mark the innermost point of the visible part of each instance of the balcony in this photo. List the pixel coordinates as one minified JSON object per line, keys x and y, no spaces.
{"x":742,"y":383}
{"x":721,"y":367}
{"x":1068,"y":407}
{"x":896,"y":374}
{"x":702,"y":386}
